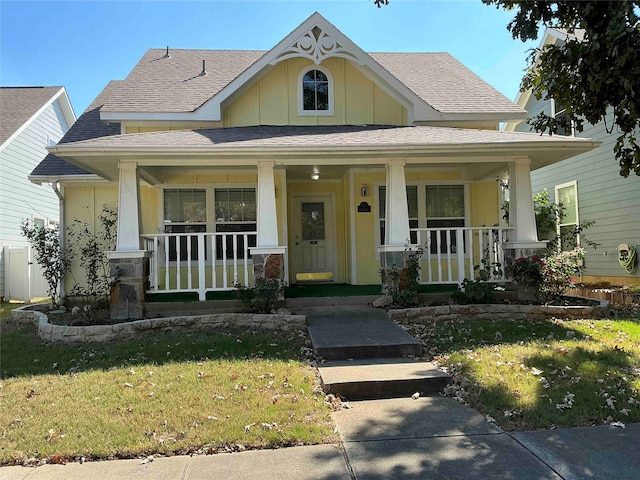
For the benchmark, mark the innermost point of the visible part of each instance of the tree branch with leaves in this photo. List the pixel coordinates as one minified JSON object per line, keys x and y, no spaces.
{"x":593,"y":73}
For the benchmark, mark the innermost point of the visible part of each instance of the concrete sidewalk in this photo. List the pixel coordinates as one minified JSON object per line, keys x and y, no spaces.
{"x":427,"y":438}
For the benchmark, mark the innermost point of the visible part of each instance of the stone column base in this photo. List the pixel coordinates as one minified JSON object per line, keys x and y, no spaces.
{"x":394,"y":259}
{"x":130,"y":270}
{"x":513,"y":250}
{"x":268,"y":262}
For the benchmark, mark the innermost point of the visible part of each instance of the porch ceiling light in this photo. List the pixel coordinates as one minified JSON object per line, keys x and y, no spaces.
{"x":316,"y":174}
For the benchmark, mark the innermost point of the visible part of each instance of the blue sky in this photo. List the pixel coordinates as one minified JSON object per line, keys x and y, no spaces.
{"x":84,"y":44}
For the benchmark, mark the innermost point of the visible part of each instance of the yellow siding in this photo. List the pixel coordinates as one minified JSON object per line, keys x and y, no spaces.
{"x":484,"y":201}
{"x":273,"y":100}
{"x":367,"y":258}
{"x":85,"y":204}
{"x":387,"y":110}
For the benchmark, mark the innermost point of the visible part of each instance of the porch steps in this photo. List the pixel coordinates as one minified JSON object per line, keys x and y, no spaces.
{"x":358,"y":332}
{"x":381,"y":378}
{"x":366,"y":353}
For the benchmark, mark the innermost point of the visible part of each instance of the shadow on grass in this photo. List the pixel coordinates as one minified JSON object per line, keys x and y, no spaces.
{"x":23,"y":353}
{"x":440,"y":438}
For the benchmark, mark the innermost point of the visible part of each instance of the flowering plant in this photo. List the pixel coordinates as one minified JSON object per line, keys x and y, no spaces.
{"x":558,"y":270}
{"x":527,"y":270}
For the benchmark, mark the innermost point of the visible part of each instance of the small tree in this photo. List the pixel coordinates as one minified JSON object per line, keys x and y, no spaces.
{"x":50,"y":255}
{"x":89,"y":245}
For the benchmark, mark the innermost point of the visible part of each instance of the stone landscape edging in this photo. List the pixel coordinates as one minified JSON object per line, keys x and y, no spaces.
{"x":130,"y":330}
{"x":497,"y":311}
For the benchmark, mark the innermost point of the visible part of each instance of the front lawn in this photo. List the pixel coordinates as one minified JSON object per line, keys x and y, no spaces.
{"x":528,"y":374}
{"x":200,"y":392}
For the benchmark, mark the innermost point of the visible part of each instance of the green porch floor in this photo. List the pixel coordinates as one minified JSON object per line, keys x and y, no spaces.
{"x":300,"y":291}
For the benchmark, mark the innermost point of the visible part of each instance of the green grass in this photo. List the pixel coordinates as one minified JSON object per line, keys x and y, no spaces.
{"x":166,"y":394}
{"x":528,"y":374}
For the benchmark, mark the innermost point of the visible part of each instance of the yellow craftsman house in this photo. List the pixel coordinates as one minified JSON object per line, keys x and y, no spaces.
{"x":315,"y":159}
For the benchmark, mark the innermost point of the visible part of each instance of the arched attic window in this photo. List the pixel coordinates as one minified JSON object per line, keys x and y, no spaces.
{"x":315,"y":91}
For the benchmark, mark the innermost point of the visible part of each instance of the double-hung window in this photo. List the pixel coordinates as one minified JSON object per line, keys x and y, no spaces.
{"x":236,"y":212}
{"x":567,"y":197}
{"x":185,"y":211}
{"x":412,"y":203}
{"x":445,"y":209}
{"x":559,"y":112}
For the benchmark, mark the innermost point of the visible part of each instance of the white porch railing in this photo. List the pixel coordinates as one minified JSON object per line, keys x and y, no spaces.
{"x":450,"y":254}
{"x":198,"y":262}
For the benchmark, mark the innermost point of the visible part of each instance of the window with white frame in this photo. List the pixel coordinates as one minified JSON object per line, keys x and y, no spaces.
{"x":559,"y":112}
{"x":315,"y":91}
{"x":567,"y":197}
{"x":412,"y":203}
{"x":445,"y":209}
{"x":236,"y":212}
{"x":185,"y":211}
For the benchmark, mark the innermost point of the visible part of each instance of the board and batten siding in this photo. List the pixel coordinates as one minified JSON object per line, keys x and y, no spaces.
{"x":604,"y":196}
{"x":19,"y":198}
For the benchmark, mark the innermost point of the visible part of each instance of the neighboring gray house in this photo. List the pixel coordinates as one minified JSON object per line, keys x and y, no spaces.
{"x":31,"y":119}
{"x":591,"y":188}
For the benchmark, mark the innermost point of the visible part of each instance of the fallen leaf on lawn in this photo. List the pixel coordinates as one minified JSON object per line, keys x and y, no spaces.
{"x":203,"y":375}
{"x":536,"y":371}
{"x":127,"y":385}
{"x":247,"y":428}
{"x":53,"y":435}
{"x":211,"y":417}
{"x":234,"y":376}
{"x":131,"y":372}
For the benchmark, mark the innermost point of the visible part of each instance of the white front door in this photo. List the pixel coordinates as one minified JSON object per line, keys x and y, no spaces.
{"x":313,"y":238}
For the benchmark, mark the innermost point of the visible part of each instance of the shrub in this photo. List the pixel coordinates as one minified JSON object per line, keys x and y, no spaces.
{"x":50,"y":255}
{"x":401,"y":284}
{"x":527,"y":271}
{"x":266,"y":296}
{"x":474,"y":292}
{"x":558,"y":270}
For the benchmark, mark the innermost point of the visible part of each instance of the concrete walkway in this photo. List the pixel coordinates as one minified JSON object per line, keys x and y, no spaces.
{"x":427,"y":438}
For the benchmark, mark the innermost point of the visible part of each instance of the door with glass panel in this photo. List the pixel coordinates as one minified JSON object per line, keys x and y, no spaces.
{"x":313,"y":235}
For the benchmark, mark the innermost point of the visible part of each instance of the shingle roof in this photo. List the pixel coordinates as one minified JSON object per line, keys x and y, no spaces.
{"x":174,"y":84}
{"x":19,"y":104}
{"x":88,"y":126}
{"x":445,"y":83}
{"x":316,"y":137}
{"x":159,"y":84}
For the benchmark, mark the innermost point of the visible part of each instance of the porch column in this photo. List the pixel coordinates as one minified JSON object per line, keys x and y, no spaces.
{"x":524,"y":237}
{"x":266,"y":198}
{"x":268,"y":254}
{"x":396,"y":227}
{"x":128,"y":264}
{"x":394,"y":253}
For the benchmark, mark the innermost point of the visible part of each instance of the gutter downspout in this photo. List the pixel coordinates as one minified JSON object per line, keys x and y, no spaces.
{"x":55,"y":186}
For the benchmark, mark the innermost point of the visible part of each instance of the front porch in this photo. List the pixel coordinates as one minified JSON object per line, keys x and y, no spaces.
{"x":202,"y":210}
{"x":201,"y":263}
